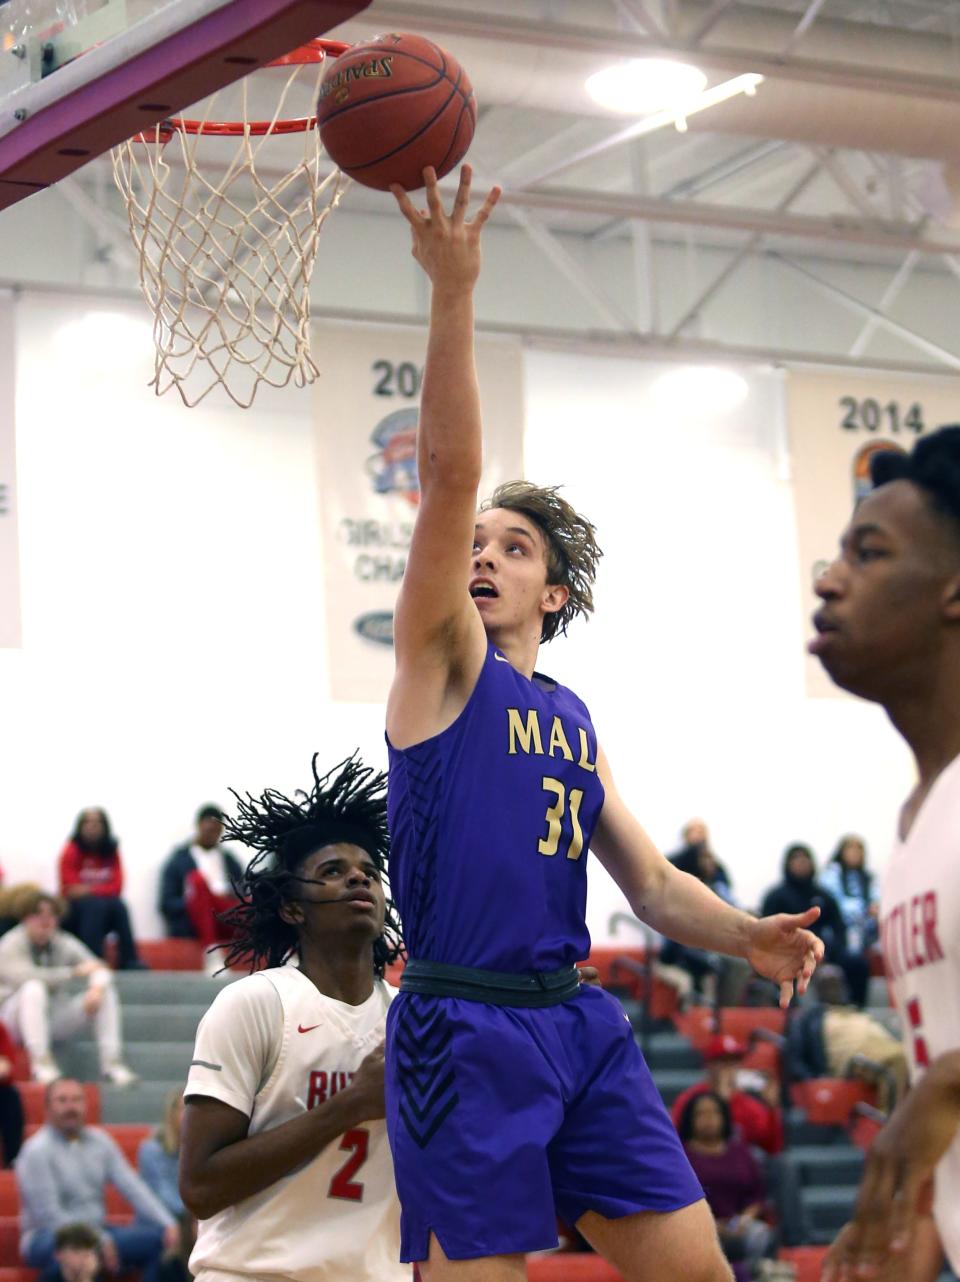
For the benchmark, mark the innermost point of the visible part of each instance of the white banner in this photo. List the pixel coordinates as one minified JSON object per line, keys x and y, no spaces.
{"x":9,"y":547}
{"x":366,"y":418}
{"x":837,"y":423}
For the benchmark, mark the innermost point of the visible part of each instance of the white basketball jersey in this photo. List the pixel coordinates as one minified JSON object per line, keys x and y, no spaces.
{"x":920,"y":936}
{"x":272,"y":1045}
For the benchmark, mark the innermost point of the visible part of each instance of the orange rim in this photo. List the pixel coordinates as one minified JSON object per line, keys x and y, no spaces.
{"x":314,"y":51}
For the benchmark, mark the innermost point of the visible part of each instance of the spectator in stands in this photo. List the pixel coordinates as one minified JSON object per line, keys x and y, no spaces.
{"x":159,"y":1156}
{"x":196,"y":885}
{"x":823,"y":1036}
{"x":12,"y":903}
{"x":800,"y":886}
{"x":696,"y":856}
{"x":37,"y":963}
{"x":62,"y":1174}
{"x":91,"y":881}
{"x":757,"y":1117}
{"x":732,"y":1180}
{"x":692,"y":969}
{"x":158,"y":1161}
{"x":76,"y":1253}
{"x":11,"y":1105}
{"x":854,"y":888}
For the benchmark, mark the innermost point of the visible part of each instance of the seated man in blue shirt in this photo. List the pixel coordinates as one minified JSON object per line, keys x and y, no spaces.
{"x":62,"y":1174}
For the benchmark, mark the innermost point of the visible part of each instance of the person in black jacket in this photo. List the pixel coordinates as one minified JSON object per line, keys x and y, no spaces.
{"x":800,"y":890}
{"x":710,"y":974}
{"x":197,"y":883}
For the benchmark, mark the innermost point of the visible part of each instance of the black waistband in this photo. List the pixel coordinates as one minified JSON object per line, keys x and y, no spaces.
{"x":495,"y":987}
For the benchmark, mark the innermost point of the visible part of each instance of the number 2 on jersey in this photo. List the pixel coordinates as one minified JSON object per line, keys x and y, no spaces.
{"x":342,"y":1185}
{"x":549,"y":844}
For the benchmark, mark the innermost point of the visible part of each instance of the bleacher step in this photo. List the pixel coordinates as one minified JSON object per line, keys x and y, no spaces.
{"x":834,"y":1164}
{"x":143,"y":1103}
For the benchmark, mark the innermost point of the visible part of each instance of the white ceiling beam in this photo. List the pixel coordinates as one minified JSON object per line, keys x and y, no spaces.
{"x":638,"y":16}
{"x":639,"y":345}
{"x":411,"y":15}
{"x":856,"y":305}
{"x":842,"y":179}
{"x":113,"y":233}
{"x":562,"y":259}
{"x":890,"y":296}
{"x":723,"y":171}
{"x":709,"y":21}
{"x":802,"y":27}
{"x":749,"y":247}
{"x":840,"y":230}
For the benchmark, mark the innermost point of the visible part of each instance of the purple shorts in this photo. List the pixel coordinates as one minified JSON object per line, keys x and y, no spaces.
{"x":501,"y":1119}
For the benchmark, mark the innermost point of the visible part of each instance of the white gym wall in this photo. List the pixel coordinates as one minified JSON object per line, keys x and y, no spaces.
{"x":174,"y":631}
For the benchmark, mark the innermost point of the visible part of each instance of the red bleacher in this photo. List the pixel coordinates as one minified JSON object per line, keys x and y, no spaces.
{"x":32,"y":1095}
{"x":829,"y":1101}
{"x":171,"y":954}
{"x":807,"y":1260}
{"x":563,"y":1267}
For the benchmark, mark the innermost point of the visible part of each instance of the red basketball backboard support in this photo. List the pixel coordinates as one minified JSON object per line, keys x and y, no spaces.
{"x":159,"y":81}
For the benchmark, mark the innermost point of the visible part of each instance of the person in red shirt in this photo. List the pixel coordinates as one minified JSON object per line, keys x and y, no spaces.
{"x":11,"y":1106}
{"x":91,"y":881}
{"x":757,"y":1120}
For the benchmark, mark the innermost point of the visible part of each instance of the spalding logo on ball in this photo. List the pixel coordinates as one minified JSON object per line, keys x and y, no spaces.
{"x":393,"y":105}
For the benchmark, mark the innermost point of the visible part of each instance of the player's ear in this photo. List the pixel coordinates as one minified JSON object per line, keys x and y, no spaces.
{"x":950,"y":600}
{"x":291,"y":913}
{"x":555,"y":597}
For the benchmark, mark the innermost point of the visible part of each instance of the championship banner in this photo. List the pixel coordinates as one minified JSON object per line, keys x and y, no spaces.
{"x":9,"y":547}
{"x":837,"y":423}
{"x":365,"y":432}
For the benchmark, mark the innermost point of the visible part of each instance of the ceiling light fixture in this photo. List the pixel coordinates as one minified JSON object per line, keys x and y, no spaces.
{"x":643,"y":85}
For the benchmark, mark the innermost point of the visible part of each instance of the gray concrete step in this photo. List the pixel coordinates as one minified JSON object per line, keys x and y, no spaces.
{"x":158,"y":1022}
{"x":673,"y":1082}
{"x":144,"y":1103}
{"x":152,"y":1061}
{"x":836,"y":1164}
{"x":168,"y":987}
{"x":800,"y":1131}
{"x":827,"y":1208}
{"x":667,"y":1051}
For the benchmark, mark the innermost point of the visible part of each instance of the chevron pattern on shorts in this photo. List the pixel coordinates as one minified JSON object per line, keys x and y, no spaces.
{"x":424,"y":780}
{"x":425,"y":1073}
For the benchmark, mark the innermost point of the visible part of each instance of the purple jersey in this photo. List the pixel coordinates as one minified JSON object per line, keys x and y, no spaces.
{"x":490,"y":823}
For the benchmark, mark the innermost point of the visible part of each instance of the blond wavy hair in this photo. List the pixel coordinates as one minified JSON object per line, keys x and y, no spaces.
{"x":572,"y":550}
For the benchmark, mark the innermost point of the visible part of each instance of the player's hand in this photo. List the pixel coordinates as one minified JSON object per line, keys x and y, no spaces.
{"x":447,"y":246}
{"x":367,"y":1086}
{"x":898,"y":1179}
{"x":782,"y":949}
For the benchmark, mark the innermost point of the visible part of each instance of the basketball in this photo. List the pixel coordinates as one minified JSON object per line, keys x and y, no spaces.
{"x":393,"y":105}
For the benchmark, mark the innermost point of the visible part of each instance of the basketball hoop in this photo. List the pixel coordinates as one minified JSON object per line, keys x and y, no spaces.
{"x":226,"y":258}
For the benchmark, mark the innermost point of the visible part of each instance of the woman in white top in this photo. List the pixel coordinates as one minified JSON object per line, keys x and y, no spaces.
{"x":284,"y":1155}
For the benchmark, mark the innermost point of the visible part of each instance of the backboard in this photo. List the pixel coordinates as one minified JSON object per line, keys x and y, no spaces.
{"x":78,"y":77}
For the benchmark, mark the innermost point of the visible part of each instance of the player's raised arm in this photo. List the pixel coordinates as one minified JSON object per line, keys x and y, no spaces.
{"x":434,"y":612}
{"x":681,"y":907}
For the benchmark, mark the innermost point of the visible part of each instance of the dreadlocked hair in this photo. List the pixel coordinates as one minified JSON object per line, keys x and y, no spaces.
{"x":572,"y":551}
{"x":348,"y":803}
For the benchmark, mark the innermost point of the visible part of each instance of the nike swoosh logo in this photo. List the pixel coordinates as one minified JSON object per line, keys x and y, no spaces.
{"x":501,"y":658}
{"x":301,"y":1029}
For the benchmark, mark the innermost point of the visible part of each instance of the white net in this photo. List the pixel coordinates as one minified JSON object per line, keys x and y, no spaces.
{"x":226,"y":253}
